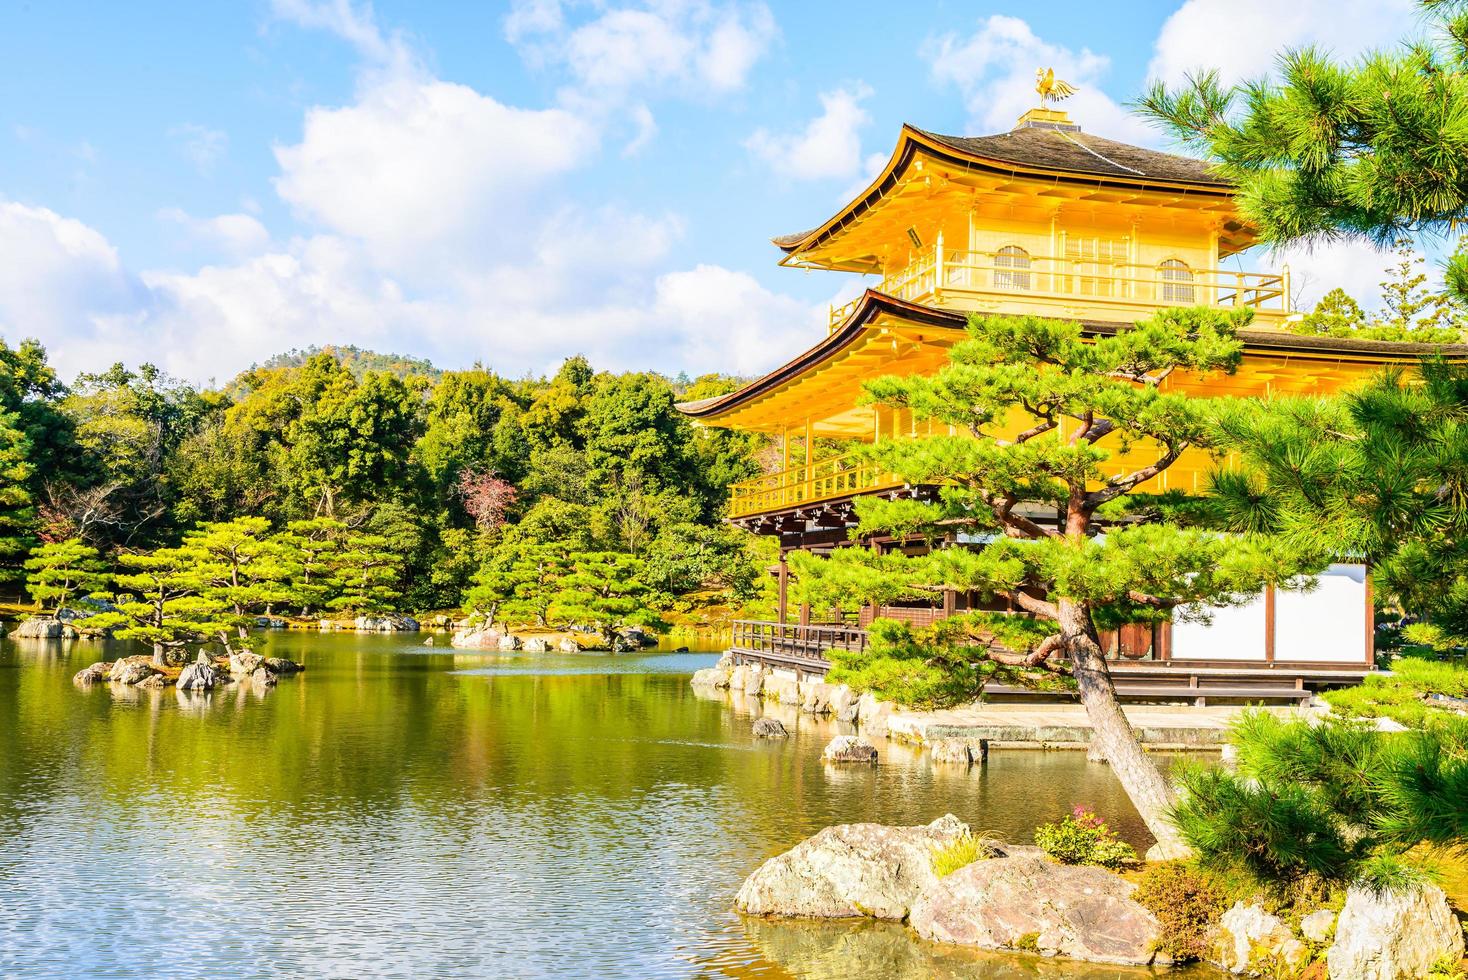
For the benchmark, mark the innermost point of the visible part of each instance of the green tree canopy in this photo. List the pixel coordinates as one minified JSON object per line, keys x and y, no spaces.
{"x":61,"y":570}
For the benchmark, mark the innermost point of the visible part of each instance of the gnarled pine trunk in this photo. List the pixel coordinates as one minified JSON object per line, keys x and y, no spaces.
{"x":1111,"y":733}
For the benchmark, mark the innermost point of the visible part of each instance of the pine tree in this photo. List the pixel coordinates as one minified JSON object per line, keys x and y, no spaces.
{"x":310,"y":548}
{"x":236,"y":565}
{"x":60,"y":570}
{"x":518,"y":580}
{"x":605,"y":589}
{"x":368,"y":570}
{"x":1336,"y":315}
{"x":157,"y":602}
{"x":17,"y":515}
{"x":1039,"y":410}
{"x":1371,"y":148}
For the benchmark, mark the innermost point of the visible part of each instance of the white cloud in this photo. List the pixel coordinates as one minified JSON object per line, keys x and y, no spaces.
{"x":701,"y":46}
{"x":828,"y":147}
{"x":234,"y":234}
{"x":994,"y":69}
{"x":62,"y":281}
{"x":1357,"y":267}
{"x":416,"y":169}
{"x":202,"y":146}
{"x":1241,"y":38}
{"x":356,"y":25}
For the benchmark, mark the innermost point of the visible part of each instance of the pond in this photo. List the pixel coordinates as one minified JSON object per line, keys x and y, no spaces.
{"x":407,"y":811}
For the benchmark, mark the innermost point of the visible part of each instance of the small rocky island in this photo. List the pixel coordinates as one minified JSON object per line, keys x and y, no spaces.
{"x":204,"y":673}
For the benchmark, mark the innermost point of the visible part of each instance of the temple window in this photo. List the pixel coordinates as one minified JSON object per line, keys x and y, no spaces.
{"x":1177,"y":281}
{"x":1008,"y":263}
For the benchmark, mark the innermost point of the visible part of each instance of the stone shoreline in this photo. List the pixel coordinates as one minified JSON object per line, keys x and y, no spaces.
{"x":982,"y":727}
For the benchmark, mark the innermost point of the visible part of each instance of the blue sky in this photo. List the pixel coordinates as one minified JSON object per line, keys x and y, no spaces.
{"x":202,"y":185}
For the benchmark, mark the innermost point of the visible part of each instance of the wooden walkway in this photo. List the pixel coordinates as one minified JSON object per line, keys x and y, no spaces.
{"x":802,"y":649}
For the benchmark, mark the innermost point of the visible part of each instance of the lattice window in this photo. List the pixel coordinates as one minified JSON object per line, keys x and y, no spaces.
{"x":1177,"y":281}
{"x":1012,"y":268}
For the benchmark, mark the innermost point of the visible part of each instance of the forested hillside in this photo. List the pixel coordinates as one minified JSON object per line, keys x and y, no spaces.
{"x":440,"y":468}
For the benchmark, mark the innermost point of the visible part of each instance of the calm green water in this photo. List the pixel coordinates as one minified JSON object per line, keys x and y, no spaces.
{"x":402,"y":811}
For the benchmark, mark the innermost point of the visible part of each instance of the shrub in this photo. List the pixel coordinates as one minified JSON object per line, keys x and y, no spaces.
{"x":1083,"y":838}
{"x":948,"y":858}
{"x":1187,"y":902}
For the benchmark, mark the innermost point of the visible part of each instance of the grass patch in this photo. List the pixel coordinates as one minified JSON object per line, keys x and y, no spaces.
{"x":948,"y":858}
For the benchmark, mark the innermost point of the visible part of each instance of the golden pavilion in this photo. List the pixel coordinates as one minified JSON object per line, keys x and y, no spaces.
{"x":1045,"y":219}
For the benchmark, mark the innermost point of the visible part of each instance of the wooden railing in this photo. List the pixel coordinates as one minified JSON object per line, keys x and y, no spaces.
{"x":788,"y":642}
{"x":826,"y":479}
{"x":936,"y":272}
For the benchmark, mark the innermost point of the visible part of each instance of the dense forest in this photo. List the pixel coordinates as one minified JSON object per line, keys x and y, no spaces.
{"x":444,"y":475}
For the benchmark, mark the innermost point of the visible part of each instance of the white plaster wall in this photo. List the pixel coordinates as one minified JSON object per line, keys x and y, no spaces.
{"x":1326,"y":625}
{"x":1235,"y":633}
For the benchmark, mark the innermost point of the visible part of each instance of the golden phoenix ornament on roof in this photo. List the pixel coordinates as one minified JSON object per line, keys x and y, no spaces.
{"x":1052,"y":89}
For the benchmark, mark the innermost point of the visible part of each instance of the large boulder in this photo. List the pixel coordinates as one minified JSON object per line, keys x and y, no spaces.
{"x":244,"y":662}
{"x":781,"y":689}
{"x":1387,"y":935}
{"x":873,"y":715}
{"x":263,"y":677}
{"x":849,"y":748}
{"x":820,"y":697}
{"x":1252,"y":940}
{"x":568,"y":644}
{"x":754,"y":681}
{"x":849,"y":871}
{"x":198,"y":676}
{"x":536,"y":644}
{"x":716,"y":676}
{"x":1029,"y":903}
{"x":510,"y":642}
{"x":477,"y":638}
{"x":91,"y":675}
{"x":132,"y":670}
{"x":44,"y":628}
{"x":280,"y":665}
{"x":956,"y":751}
{"x":1318,"y":926}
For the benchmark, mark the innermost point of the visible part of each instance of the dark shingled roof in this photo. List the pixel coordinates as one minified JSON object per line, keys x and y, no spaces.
{"x":1060,"y":148}
{"x":1064,"y":149}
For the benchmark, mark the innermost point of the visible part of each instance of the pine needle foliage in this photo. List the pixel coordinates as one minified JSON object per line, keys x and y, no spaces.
{"x":1375,"y":147}
{"x":1337,"y":801}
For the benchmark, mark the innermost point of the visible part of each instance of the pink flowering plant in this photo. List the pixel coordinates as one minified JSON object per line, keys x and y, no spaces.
{"x":1084,"y":837}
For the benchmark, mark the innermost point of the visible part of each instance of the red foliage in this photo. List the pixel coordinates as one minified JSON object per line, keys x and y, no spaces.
{"x":486,"y":497}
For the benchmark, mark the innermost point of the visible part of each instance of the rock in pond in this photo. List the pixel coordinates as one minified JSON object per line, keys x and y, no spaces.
{"x":198,"y":676}
{"x":849,"y":871}
{"x":477,"y":638}
{"x":386,"y":624}
{"x":510,"y":642}
{"x":153,"y":680}
{"x":711,"y":677}
{"x":536,"y":644}
{"x":45,"y":628}
{"x":956,"y":751}
{"x":769,"y":728}
{"x":1030,"y":903}
{"x":264,"y":678}
{"x":280,"y":665}
{"x":1387,"y":935}
{"x":1251,"y":939}
{"x":244,"y":662}
{"x":91,"y":675}
{"x":132,"y":670}
{"x":568,"y":645}
{"x":849,"y":748}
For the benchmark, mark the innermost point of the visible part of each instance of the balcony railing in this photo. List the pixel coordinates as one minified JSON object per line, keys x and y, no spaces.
{"x":949,"y":276}
{"x":827,"y":479}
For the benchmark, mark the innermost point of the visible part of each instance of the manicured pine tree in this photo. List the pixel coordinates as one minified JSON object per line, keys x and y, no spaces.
{"x":59,"y":570}
{"x":311,"y":548}
{"x":157,"y":602}
{"x":1040,"y":414}
{"x":605,"y":589}
{"x":17,"y":515}
{"x":518,"y":580}
{"x":368,"y":571}
{"x":238,"y":566}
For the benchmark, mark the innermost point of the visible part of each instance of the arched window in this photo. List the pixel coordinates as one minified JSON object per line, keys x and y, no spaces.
{"x":1011,"y":268}
{"x":1177,"y":281}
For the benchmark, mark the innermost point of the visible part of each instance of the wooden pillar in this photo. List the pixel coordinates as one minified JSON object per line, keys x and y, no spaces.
{"x":1269,"y":624}
{"x":783,"y":575}
{"x":1370,"y":621}
{"x":950,"y":603}
{"x":805,"y":614}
